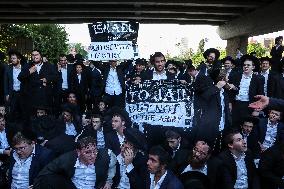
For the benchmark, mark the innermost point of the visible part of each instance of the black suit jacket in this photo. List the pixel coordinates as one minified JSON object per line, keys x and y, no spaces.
{"x":112,"y":142}
{"x":33,"y":87}
{"x":8,"y":80}
{"x":96,"y":83}
{"x":81,"y":88}
{"x":170,"y":182}
{"x":208,"y":107}
{"x":214,"y":172}
{"x":40,"y":159}
{"x":271,"y":168}
{"x":65,"y":165}
{"x":263,"y":128}
{"x":59,"y":76}
{"x":120,"y":74}
{"x":138,"y":175}
{"x":148,"y":75}
{"x":255,"y":88}
{"x":230,"y":170}
{"x":277,"y":53}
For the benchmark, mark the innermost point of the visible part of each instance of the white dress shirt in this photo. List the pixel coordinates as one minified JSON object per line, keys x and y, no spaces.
{"x":85,"y":176}
{"x":201,"y":170}
{"x":242,"y":176}
{"x":20,"y":171}
{"x":3,"y":141}
{"x":157,"y":185}
{"x":159,"y":76}
{"x":38,"y":67}
{"x":113,"y":86}
{"x":270,"y":135}
{"x":222,"y":120}
{"x":124,"y":180}
{"x":64,"y":78}
{"x":100,"y":138}
{"x":70,"y":129}
{"x":265,"y":75}
{"x":244,"y":88}
{"x":16,"y":82}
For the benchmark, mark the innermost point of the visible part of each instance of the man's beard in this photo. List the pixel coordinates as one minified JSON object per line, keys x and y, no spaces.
{"x":197,"y":163}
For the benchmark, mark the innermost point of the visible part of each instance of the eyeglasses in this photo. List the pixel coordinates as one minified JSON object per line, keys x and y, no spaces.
{"x":22,"y":148}
{"x":199,"y":151}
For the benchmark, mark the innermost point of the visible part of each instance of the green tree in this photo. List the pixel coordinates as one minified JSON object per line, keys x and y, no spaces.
{"x":79,"y":49}
{"x":51,"y":39}
{"x":258,"y":48}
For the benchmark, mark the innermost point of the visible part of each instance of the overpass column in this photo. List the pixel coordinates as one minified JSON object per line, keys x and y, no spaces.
{"x":240,"y":42}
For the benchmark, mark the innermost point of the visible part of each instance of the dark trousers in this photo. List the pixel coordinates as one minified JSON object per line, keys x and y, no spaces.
{"x":239,"y":112}
{"x":60,"y":97}
{"x":16,"y":106}
{"x":54,"y":182}
{"x":115,"y":100}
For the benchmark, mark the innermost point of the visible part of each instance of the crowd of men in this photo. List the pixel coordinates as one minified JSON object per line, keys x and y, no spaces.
{"x":65,"y":125}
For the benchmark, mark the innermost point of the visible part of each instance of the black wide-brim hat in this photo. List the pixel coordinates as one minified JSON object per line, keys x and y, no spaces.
{"x":249,"y":57}
{"x":135,"y":137}
{"x":195,"y":180}
{"x":228,"y":58}
{"x":212,"y":50}
{"x":266,"y":58}
{"x":141,"y":61}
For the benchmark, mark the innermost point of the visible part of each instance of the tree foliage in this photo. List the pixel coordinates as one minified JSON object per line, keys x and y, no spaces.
{"x":51,"y":39}
{"x":258,"y":48}
{"x":79,"y":49}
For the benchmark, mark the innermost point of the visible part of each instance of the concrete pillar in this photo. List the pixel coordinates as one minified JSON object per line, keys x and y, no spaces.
{"x":240,"y":42}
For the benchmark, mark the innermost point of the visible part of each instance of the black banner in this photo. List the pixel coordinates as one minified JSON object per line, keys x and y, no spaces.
{"x":167,"y":103}
{"x":114,"y":31}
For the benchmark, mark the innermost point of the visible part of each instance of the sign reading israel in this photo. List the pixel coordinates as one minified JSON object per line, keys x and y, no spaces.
{"x":113,"y":40}
{"x":167,"y":103}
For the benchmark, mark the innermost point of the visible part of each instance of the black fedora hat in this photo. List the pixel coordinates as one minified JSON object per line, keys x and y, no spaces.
{"x":141,"y":61}
{"x":212,"y":50}
{"x":265,"y":58}
{"x":135,"y":137}
{"x":251,"y":58}
{"x":228,"y":58}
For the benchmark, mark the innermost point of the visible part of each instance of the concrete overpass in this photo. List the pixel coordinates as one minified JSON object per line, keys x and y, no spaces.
{"x":237,"y":19}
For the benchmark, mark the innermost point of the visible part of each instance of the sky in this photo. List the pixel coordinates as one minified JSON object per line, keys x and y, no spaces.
{"x":163,"y":37}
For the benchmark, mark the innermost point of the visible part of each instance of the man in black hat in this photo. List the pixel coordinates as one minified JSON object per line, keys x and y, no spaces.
{"x":79,"y":83}
{"x":96,"y":84}
{"x":27,"y":160}
{"x":212,"y":64}
{"x":276,"y":53}
{"x":131,"y":167}
{"x":270,"y":77}
{"x":63,"y":85}
{"x":243,"y":88}
{"x":12,"y":86}
{"x":37,"y":78}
